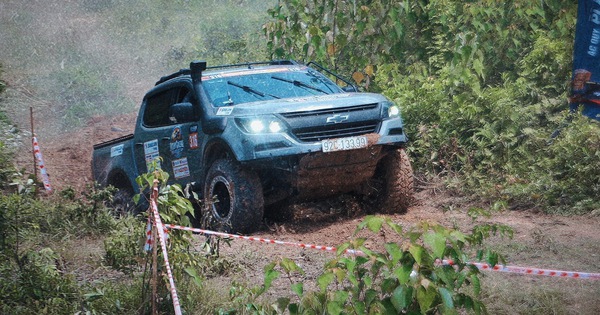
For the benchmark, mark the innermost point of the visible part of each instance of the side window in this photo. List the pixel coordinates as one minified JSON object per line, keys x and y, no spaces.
{"x":159,"y":107}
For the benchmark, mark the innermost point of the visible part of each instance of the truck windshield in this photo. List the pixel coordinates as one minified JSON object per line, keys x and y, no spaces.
{"x":243,"y":87}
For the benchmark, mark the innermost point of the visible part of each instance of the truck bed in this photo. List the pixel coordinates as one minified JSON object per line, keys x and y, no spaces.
{"x":113,"y":141}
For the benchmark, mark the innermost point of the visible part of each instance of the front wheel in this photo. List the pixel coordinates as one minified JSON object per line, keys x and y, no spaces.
{"x":396,"y":173}
{"x":234,"y":197}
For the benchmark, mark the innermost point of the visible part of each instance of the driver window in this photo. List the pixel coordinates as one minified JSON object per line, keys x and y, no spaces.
{"x":165,"y":108}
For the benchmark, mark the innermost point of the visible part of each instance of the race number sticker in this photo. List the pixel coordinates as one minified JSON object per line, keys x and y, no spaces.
{"x":181,"y":168}
{"x":151,"y":154}
{"x":193,"y":137}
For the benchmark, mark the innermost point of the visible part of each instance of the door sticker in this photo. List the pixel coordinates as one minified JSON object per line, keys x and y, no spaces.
{"x":181,"y":168}
{"x":151,"y":154}
{"x":116,"y":150}
{"x":193,"y":137}
{"x":176,"y":145}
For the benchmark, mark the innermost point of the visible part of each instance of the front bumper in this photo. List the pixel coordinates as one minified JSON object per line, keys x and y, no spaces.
{"x":253,"y":147}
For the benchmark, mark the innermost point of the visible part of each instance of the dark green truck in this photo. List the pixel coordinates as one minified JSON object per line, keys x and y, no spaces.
{"x":248,"y":136}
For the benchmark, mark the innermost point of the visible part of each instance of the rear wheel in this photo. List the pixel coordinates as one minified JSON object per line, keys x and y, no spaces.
{"x":396,"y":193}
{"x":234,"y":198}
{"x":122,"y":203}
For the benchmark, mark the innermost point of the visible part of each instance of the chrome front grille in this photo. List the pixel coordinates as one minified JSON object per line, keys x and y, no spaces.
{"x":312,"y":126}
{"x":335,"y":131}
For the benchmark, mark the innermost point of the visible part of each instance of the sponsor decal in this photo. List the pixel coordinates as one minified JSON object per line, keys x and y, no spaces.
{"x":176,"y":145}
{"x":224,"y":111}
{"x":151,"y":153}
{"x":252,"y":71}
{"x":116,"y":150}
{"x":181,"y":168}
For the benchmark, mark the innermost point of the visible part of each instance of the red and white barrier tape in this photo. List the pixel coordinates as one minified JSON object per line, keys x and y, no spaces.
{"x":40,"y":164}
{"x":163,"y":243}
{"x":534,"y":271}
{"x":480,"y":266}
{"x":261,"y":240}
{"x":149,"y":239}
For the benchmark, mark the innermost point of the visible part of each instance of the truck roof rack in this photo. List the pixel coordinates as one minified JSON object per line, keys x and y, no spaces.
{"x":182,"y":72}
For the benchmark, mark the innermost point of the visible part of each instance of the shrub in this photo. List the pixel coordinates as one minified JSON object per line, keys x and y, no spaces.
{"x":404,"y":275}
{"x":86,"y":90}
{"x":124,"y":245}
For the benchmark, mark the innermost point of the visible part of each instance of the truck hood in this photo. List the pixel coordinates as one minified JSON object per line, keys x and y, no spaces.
{"x":301,"y":104}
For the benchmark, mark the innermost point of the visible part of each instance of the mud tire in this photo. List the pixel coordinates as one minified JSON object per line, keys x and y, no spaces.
{"x":122,"y":203}
{"x":233,"y":198}
{"x":397,"y":192}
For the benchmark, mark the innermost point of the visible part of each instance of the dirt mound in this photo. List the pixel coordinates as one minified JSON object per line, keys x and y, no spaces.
{"x":68,"y":156}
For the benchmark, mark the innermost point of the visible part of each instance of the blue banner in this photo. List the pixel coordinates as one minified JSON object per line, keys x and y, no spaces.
{"x":586,"y":59}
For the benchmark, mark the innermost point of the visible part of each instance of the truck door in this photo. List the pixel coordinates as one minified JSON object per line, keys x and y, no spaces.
{"x":169,"y":130}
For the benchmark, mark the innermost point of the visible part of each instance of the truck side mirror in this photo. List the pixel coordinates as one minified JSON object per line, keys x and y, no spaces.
{"x":181,"y":112}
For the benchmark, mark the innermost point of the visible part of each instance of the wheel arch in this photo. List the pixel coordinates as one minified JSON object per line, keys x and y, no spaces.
{"x":119,"y":179}
{"x":216,"y":149}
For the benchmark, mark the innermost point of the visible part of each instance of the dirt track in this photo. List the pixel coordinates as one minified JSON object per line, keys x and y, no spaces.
{"x":332,"y":221}
{"x":540,"y":241}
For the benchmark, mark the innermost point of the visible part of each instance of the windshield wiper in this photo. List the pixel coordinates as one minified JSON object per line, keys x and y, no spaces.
{"x":251,"y":90}
{"x":299,"y":83}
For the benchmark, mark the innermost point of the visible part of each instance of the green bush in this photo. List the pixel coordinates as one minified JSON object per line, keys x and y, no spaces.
{"x":566,"y":173}
{"x":480,"y":99}
{"x":33,"y":284}
{"x":34,"y":278}
{"x":405,"y":275}
{"x":124,"y":245}
{"x":86,"y":89}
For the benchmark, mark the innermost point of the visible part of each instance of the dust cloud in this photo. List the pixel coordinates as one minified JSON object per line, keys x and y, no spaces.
{"x":71,"y":60}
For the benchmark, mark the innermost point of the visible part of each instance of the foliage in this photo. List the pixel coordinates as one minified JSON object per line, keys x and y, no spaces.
{"x":567,"y":174}
{"x":6,"y":168}
{"x":174,"y":206}
{"x":363,"y":34}
{"x":407,"y":274}
{"x":124,"y":245}
{"x":111,"y":297}
{"x":182,"y":30}
{"x":109,"y":52}
{"x":33,"y":272}
{"x":482,"y":87}
{"x":87,"y":90}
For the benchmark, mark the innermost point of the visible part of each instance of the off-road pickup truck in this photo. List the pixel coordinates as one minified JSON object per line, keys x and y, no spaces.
{"x":253,"y":135}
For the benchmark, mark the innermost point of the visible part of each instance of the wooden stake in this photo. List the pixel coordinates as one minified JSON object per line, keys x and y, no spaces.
{"x":154,"y":269}
{"x":32,"y":150}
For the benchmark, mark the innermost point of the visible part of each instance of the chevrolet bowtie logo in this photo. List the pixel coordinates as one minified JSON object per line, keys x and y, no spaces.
{"x":336,"y":119}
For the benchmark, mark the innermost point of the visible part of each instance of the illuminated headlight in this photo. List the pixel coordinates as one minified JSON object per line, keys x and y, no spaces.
{"x":275,"y":126}
{"x":257,"y":126}
{"x":391,"y":110}
{"x":269,"y":124}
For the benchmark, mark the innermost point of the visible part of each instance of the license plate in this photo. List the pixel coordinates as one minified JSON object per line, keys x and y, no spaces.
{"x":341,"y":144}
